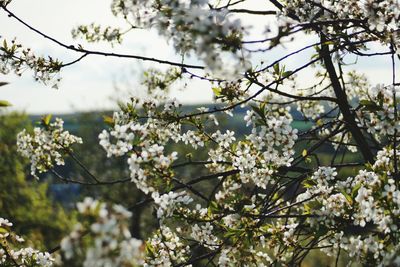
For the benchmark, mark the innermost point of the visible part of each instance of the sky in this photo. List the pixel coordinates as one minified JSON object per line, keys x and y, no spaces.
{"x":96,"y":82}
{"x":93,"y":83}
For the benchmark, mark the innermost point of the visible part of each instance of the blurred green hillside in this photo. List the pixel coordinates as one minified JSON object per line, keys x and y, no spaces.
{"x":23,"y":200}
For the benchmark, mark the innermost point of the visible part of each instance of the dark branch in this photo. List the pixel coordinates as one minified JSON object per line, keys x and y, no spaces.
{"x":92,"y":52}
{"x":344,"y":105}
{"x":253,"y":12}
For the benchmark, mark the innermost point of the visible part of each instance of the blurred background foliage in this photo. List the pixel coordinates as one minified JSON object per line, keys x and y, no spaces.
{"x":23,"y":200}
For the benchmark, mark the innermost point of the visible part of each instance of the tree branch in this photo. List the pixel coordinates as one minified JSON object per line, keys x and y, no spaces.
{"x":344,"y":105}
{"x":92,"y":52}
{"x":252,"y":12}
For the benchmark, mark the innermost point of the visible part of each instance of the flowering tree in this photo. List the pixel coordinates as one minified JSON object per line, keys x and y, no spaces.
{"x":270,"y":203}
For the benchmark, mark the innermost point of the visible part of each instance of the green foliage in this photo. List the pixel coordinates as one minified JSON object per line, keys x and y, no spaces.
{"x":25,"y":202}
{"x":4,"y":103}
{"x":18,"y":59}
{"x":95,"y":33}
{"x":156,"y":79}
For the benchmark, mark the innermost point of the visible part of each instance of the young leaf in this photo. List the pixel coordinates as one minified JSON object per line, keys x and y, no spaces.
{"x":276,"y":68}
{"x":108,"y":120}
{"x":287,"y":73}
{"x":4,"y":103}
{"x":347,"y":196}
{"x":369,"y":105}
{"x":217,"y":91}
{"x":46,"y":119}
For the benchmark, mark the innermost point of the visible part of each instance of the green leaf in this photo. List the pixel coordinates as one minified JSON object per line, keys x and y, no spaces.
{"x":108,"y":120}
{"x":314,"y":56}
{"x":329,"y":43}
{"x":217,"y":91}
{"x":150,"y":249}
{"x":275,"y":196}
{"x":347,"y":196}
{"x":307,"y":209}
{"x":308,"y":183}
{"x":355,"y":189}
{"x":230,"y":233}
{"x":366,"y":102}
{"x":369,"y":105}
{"x":3,"y":230}
{"x":287,"y":73}
{"x":262,"y":105}
{"x":276,"y":68}
{"x":266,"y":228}
{"x":136,"y":141}
{"x":4,"y":103}
{"x":259,"y":111}
{"x":212,"y":208}
{"x":46,"y":119}
{"x":249,"y":236}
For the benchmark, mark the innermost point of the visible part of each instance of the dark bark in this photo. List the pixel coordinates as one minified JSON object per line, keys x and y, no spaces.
{"x":348,"y":115}
{"x":136,"y":217}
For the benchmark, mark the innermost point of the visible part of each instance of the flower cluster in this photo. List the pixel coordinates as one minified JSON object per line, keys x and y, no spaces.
{"x":204,"y":235}
{"x":382,"y":16}
{"x":311,"y":109}
{"x":165,"y":249}
{"x":378,"y":114}
{"x":111,"y":243}
{"x":13,"y":57}
{"x":168,"y":203}
{"x":247,"y":257}
{"x":46,"y":146}
{"x":369,"y":202}
{"x":191,"y":26}
{"x":143,"y":140}
{"x":12,"y":255}
{"x":96,"y":33}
